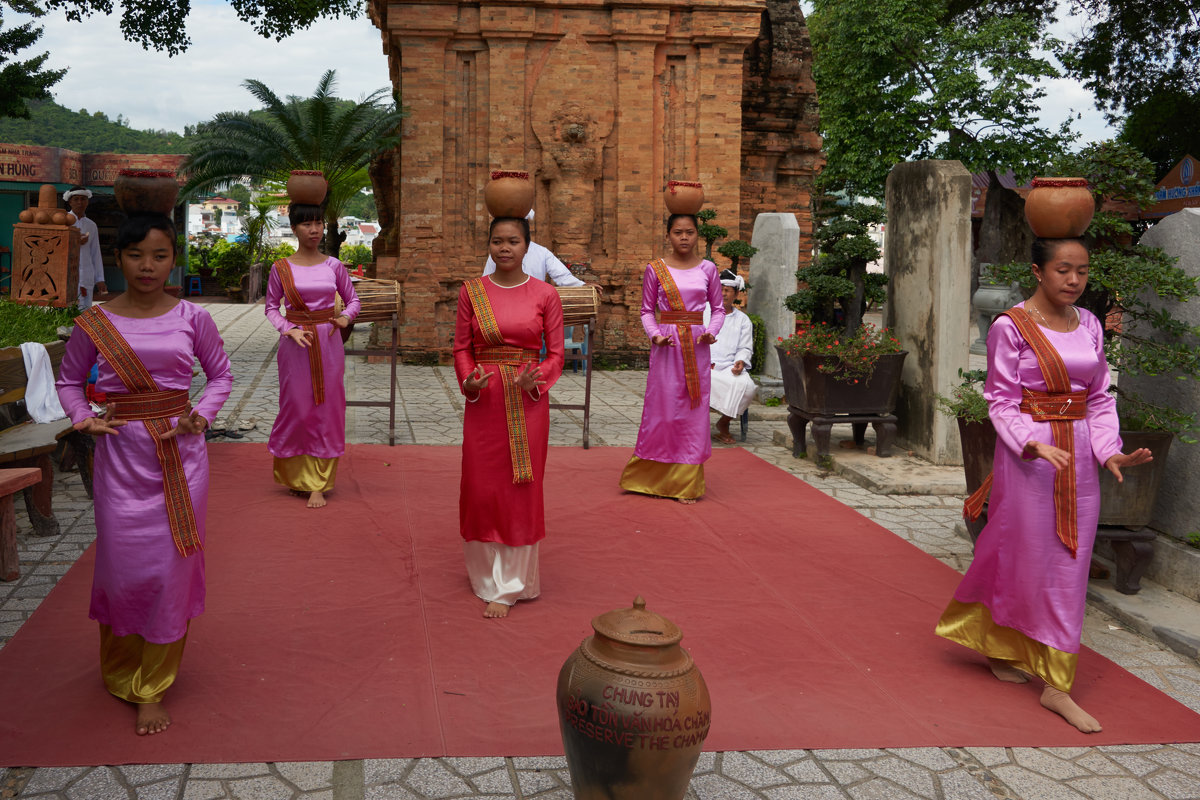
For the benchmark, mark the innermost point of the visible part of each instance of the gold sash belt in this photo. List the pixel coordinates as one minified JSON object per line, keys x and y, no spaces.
{"x":1050,"y":406}
{"x":680,"y":317}
{"x":149,"y":405}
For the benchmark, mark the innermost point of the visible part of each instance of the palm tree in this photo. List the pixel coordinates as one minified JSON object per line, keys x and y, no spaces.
{"x":338,"y":137}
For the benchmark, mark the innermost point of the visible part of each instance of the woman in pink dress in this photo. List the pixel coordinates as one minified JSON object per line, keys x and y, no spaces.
{"x":151,"y":464}
{"x":673,"y":441}
{"x":503,"y":319}
{"x":1021,"y":602}
{"x":309,"y":434}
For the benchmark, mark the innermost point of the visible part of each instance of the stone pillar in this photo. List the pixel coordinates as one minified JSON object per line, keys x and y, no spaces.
{"x":772,"y":278}
{"x":1178,"y":505}
{"x":928,"y":264}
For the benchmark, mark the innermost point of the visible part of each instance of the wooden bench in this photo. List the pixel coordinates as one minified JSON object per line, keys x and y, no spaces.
{"x":25,"y":443}
{"x":11,"y":482}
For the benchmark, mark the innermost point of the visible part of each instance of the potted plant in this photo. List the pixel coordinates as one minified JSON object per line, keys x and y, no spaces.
{"x":1139,"y":338}
{"x":976,"y":432}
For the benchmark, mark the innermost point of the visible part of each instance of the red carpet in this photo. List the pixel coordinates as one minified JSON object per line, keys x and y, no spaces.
{"x":351,"y":632}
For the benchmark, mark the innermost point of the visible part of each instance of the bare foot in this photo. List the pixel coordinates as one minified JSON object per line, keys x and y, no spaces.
{"x":1061,"y":703}
{"x":495,"y":611}
{"x":1006,"y":672}
{"x":316,"y":500}
{"x":152,"y":718}
{"x":724,"y":437}
{"x":687,"y":501}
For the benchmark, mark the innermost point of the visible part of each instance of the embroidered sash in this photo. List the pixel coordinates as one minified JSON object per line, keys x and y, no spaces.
{"x":298,"y":310}
{"x":143,"y":397}
{"x":507,"y":358}
{"x":1059,"y":406}
{"x":687,"y":344}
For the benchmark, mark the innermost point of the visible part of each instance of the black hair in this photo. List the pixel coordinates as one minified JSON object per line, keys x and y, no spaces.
{"x":521,"y":221}
{"x":1044,"y":249}
{"x":301,"y":212}
{"x":136,"y":228}
{"x":77,"y":188}
{"x":671,"y":220}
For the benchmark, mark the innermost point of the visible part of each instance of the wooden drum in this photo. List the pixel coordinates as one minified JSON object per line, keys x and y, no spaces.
{"x":580,"y":304}
{"x":379,"y":300}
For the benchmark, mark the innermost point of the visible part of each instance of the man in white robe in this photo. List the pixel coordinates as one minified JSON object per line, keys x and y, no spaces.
{"x":91,"y":264}
{"x":732,"y":387}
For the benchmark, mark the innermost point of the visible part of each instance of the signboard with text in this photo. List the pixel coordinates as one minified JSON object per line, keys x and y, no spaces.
{"x":1180,"y":189}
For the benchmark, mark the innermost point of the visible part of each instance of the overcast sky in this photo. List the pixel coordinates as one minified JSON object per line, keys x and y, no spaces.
{"x":153,"y":91}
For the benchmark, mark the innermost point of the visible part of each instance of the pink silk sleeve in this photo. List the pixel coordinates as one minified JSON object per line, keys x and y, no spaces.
{"x":77,"y":362}
{"x":210,"y":352}
{"x":464,"y":344}
{"x":1103,"y":425}
{"x":345,"y":288}
{"x":650,"y":303}
{"x":1003,"y":387}
{"x":274,"y":299}
{"x":715,"y":300}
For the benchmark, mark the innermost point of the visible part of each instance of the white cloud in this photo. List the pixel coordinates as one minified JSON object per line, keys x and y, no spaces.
{"x":154,"y":91}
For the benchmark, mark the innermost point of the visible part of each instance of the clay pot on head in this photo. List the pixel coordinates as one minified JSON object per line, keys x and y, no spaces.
{"x":1059,"y":208}
{"x":684,"y":197}
{"x":146,"y":191}
{"x":509,"y":194}
{"x":632,"y":708}
{"x":307,"y":187}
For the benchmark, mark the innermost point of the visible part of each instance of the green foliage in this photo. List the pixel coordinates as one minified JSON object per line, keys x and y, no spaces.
{"x":852,"y":355}
{"x":356,"y":255}
{"x":21,"y":323}
{"x":230,"y":262}
{"x":758,"y":334}
{"x":710,"y":232}
{"x":51,"y":125}
{"x":313,"y":133}
{"x":1193,"y":539}
{"x":773,"y":402}
{"x":362,"y":205}
{"x":914,"y":79}
{"x":836,"y":287}
{"x":735,"y":250}
{"x":22,"y":81}
{"x":1123,"y":277}
{"x":1164,"y":128}
{"x":967,"y":400}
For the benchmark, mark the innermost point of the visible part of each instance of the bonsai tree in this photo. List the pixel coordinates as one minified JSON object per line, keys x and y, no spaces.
{"x":1147,"y":340}
{"x":837,"y":287}
{"x":735,"y":249}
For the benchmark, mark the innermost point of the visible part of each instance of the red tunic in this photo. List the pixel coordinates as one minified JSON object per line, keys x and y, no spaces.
{"x":491,"y":508}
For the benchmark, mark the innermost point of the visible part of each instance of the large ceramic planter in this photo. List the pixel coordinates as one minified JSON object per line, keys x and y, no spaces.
{"x":819,"y":393}
{"x":1130,"y":504}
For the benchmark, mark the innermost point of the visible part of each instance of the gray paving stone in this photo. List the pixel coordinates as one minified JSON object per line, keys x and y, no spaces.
{"x":204,"y":790}
{"x":1175,"y":785}
{"x":779,"y":758}
{"x":811,"y":792}
{"x":474,"y":766}
{"x":1134,"y":763}
{"x":904,"y":773}
{"x":846,"y":772}
{"x":880,"y":790}
{"x":389,"y":791}
{"x":52,"y":779}
{"x":715,"y":787}
{"x":228,"y":771}
{"x":532,"y":781}
{"x":989,"y":756}
{"x":808,"y":771}
{"x":102,"y":783}
{"x":1046,"y":764}
{"x":1114,"y":789}
{"x":1098,"y":764}
{"x":1027,"y":783}
{"x":496,"y":781}
{"x":306,"y":776}
{"x":267,"y":788}
{"x":163,"y":790}
{"x":431,"y":779}
{"x":138,"y":774}
{"x":959,"y":784}
{"x":749,"y":771}
{"x":928,"y":757}
{"x":385,"y":770}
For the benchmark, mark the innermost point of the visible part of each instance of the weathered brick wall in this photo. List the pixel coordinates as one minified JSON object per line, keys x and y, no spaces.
{"x":602,"y":105}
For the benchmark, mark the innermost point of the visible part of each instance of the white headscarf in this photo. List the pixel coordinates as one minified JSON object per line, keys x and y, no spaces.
{"x":69,"y":193}
{"x":731,"y":278}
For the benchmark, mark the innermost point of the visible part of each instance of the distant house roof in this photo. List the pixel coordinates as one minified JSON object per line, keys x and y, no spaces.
{"x":368,"y":228}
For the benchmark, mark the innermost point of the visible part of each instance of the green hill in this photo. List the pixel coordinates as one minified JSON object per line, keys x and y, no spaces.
{"x":51,"y":125}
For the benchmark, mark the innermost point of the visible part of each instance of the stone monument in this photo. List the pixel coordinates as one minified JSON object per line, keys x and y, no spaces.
{"x":45,"y":265}
{"x":773,"y":276}
{"x":602,"y":104}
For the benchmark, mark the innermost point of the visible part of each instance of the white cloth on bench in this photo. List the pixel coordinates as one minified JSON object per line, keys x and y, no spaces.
{"x":41,"y":399}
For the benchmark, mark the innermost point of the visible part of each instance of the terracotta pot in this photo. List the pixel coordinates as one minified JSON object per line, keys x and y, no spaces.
{"x":1059,"y":208}
{"x":633,"y":709}
{"x":509,"y":194}
{"x":816,"y":392}
{"x":684,"y":197}
{"x":146,"y":191}
{"x":307,"y":187}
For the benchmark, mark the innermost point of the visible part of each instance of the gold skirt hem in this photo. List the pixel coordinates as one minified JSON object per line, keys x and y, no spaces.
{"x":971,"y":625}
{"x":136,"y":670}
{"x":661,"y":479}
{"x":306,"y":473}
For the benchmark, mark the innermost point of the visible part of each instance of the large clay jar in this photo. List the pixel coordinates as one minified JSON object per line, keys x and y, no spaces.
{"x":509,"y":194}
{"x":307,"y":187}
{"x":633,"y":709}
{"x":146,"y":191}
{"x":1059,"y":208}
{"x":684,"y":197}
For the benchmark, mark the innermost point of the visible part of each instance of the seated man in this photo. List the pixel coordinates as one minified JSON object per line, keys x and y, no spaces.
{"x":732,"y":386}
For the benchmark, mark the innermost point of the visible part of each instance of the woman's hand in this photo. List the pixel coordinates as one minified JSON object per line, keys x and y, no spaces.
{"x":738,"y":366}
{"x":529,"y":378}
{"x":662,"y":341}
{"x":299,"y":336}
{"x":705,"y":338}
{"x":1058,"y":457}
{"x":1115,"y":463}
{"x":192,"y":423}
{"x":341,"y":321}
{"x":100,"y":426}
{"x":477,"y":380}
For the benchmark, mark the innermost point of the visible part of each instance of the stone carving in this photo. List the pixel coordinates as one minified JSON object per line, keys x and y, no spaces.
{"x":45,"y":267}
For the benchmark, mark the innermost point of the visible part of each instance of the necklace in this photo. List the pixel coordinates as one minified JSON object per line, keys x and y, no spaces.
{"x":1071,"y":322}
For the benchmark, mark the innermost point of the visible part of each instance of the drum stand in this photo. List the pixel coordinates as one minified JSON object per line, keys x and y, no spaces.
{"x":588,"y":329}
{"x":390,"y":403}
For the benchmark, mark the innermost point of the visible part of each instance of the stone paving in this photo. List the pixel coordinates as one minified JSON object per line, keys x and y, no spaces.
{"x":429,"y":411}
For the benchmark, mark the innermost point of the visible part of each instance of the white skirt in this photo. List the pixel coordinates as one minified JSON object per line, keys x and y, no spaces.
{"x":502,"y":574}
{"x":731,"y":394}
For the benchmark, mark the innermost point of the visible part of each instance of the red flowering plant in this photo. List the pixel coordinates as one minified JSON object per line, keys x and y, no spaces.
{"x":852,"y":356}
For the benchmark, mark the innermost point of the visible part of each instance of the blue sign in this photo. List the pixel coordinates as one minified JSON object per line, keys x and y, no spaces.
{"x":1186,"y":171}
